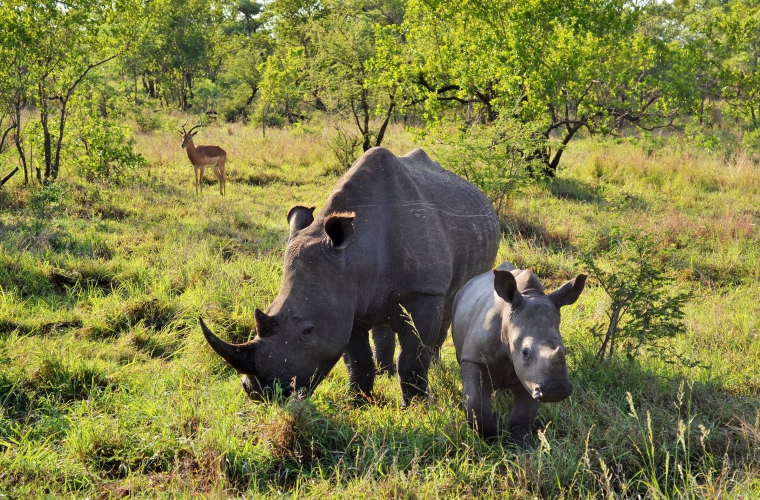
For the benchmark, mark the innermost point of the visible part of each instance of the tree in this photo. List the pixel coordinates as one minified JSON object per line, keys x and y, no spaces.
{"x":178,"y":46}
{"x":337,"y":46}
{"x":566,"y":66}
{"x":737,"y":30}
{"x":62,"y":44}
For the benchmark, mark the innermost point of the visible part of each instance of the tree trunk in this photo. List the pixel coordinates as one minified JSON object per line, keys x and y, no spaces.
{"x":20,"y":147}
{"x":381,"y":132}
{"x":7,"y":177}
{"x":550,"y":170}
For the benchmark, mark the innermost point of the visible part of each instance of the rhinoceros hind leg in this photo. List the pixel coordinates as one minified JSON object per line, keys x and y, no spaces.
{"x":442,"y":333}
{"x":522,"y":417}
{"x":360,"y":365}
{"x":384,"y":342}
{"x":418,"y":345}
{"x":477,"y":388}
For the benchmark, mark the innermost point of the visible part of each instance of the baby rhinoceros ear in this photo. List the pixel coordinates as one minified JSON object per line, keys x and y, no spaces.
{"x":569,"y":292}
{"x":506,"y":287}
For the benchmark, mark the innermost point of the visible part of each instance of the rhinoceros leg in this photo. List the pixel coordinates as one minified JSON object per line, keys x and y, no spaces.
{"x":522,"y":417}
{"x":445,"y":324}
{"x":359,"y":362}
{"x":477,"y":390}
{"x":384,"y":341}
{"x":418,"y":344}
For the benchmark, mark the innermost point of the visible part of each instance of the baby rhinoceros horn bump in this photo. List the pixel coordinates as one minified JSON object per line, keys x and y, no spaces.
{"x":558,"y":356}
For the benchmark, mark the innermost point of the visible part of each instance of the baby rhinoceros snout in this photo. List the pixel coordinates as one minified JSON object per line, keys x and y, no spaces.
{"x":556,"y":386}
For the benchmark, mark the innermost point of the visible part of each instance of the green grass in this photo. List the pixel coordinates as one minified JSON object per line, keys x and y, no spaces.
{"x":107,"y":387}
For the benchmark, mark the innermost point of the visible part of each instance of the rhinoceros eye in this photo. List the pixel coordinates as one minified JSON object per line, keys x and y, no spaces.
{"x":525,"y":353}
{"x":308,"y":330}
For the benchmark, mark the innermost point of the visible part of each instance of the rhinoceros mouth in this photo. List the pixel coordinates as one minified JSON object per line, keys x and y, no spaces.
{"x":553,"y":394}
{"x":269,"y":392}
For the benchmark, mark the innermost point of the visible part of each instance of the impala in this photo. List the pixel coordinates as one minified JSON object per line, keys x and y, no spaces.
{"x":202,"y":157}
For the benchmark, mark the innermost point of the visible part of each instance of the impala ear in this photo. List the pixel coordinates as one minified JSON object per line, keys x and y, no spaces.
{"x":339,"y":227}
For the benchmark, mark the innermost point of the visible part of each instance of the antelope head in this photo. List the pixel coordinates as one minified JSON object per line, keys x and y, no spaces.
{"x":188,"y":135}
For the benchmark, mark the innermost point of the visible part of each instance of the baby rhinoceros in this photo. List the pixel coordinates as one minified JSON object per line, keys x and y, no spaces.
{"x":506,"y":333}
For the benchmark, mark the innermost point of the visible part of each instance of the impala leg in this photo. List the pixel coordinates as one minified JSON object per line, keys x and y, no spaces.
{"x":196,"y":179}
{"x":223,"y":180}
{"x":218,"y":176}
{"x":203,"y":169}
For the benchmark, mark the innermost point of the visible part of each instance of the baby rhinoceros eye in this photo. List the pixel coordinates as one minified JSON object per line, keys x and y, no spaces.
{"x":308,"y":330}
{"x":525,"y":353}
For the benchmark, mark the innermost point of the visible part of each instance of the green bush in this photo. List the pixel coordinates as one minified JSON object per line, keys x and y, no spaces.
{"x":644,"y":309}
{"x":499,"y":158}
{"x":106,"y":150}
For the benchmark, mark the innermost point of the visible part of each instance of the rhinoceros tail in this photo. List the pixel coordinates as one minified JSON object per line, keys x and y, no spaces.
{"x":237,"y":355}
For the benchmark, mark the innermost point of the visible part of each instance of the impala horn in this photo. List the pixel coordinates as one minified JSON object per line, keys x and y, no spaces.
{"x":196,"y":126}
{"x":239,"y":356}
{"x":182,"y":130}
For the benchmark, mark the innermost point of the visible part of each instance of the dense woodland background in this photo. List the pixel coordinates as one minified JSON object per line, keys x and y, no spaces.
{"x":522,"y":76}
{"x":620,"y":139}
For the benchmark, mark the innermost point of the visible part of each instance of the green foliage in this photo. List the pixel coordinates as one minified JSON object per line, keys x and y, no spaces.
{"x":47,"y":199}
{"x":107,"y":387}
{"x":344,"y":146}
{"x":105,"y":149}
{"x":496,"y":158}
{"x":645,"y":310}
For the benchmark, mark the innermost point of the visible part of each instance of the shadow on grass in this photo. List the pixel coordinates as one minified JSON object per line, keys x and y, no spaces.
{"x":573,"y":189}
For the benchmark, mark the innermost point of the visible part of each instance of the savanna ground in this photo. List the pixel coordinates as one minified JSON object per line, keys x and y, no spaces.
{"x":107,"y":388}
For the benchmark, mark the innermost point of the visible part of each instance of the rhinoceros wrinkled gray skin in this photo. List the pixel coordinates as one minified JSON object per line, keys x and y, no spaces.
{"x":383,"y":338}
{"x":395,"y":231}
{"x":506,"y":334}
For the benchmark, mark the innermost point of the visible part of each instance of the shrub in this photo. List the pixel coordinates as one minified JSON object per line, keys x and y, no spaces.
{"x":644,"y":309}
{"x":499,"y":158}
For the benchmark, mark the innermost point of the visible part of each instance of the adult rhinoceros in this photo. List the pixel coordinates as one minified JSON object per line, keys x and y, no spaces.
{"x":395,"y":231}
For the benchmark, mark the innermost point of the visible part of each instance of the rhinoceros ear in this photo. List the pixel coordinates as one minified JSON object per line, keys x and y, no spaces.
{"x":339,"y":227}
{"x":299,"y":217}
{"x":569,"y":292}
{"x":266,"y":326}
{"x":506,"y":287}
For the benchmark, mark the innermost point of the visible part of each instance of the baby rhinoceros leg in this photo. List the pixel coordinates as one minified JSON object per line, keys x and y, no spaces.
{"x":478,"y":388}
{"x":522,"y":417}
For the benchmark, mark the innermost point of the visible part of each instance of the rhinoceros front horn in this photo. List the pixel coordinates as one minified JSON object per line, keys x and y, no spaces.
{"x":238,"y":356}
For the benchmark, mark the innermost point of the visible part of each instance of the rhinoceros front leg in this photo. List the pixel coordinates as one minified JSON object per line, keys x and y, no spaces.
{"x":417,"y":345}
{"x":384,"y":341}
{"x":522,"y":417}
{"x":359,"y":362}
{"x":477,"y":389}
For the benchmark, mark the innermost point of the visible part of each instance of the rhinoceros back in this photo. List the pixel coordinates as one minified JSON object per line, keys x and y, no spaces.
{"x":419,"y":228}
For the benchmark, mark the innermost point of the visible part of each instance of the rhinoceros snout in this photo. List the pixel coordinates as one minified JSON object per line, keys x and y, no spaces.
{"x":260,"y":392}
{"x":552,"y":393}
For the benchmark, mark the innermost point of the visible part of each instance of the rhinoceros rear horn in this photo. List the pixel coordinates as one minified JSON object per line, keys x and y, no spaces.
{"x":238,"y":356}
{"x":339,"y":227}
{"x":266,"y":326}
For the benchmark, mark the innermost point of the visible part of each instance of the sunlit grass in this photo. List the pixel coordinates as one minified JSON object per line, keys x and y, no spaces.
{"x":107,"y":387}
